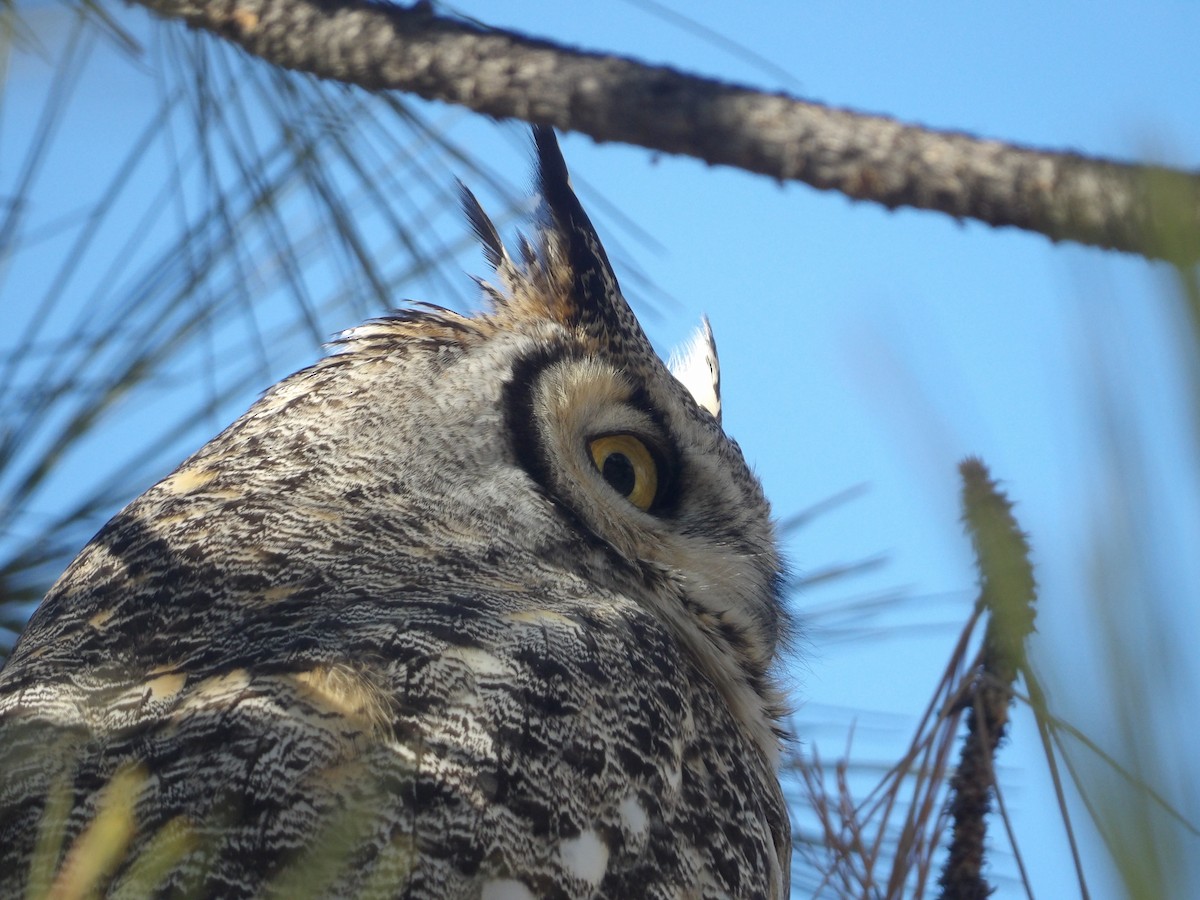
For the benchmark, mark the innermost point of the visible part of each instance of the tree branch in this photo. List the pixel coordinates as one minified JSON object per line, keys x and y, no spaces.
{"x":1065,"y":196}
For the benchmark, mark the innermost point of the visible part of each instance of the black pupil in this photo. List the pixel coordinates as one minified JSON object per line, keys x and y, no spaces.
{"x":618,"y":472}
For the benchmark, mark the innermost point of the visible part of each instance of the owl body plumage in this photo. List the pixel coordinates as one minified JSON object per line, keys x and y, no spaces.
{"x":396,"y":632}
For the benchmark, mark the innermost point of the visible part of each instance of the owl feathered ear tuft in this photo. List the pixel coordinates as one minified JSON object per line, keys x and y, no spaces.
{"x":584,"y":252}
{"x":594,"y":301}
{"x":567,"y":277}
{"x":482,"y":225}
{"x":698,"y":369}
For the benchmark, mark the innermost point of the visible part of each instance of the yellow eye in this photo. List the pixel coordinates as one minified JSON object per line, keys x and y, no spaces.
{"x":625,"y":463}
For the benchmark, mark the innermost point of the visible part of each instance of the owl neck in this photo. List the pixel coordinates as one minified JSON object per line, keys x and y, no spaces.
{"x":727,"y":645}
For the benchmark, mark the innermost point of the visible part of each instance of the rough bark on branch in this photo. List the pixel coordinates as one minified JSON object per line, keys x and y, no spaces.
{"x":1065,"y":196}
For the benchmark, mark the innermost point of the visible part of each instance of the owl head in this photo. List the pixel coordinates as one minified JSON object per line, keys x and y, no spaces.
{"x":608,"y":463}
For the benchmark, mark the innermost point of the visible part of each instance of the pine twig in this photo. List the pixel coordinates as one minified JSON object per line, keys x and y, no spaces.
{"x":1008,"y":593}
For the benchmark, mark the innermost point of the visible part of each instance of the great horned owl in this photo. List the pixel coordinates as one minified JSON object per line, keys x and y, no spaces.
{"x":476,"y":606}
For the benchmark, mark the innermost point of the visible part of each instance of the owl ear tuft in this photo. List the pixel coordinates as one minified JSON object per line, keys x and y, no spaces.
{"x":696,"y":367}
{"x":595,"y":302}
{"x":584,"y":252}
{"x":485,"y":230}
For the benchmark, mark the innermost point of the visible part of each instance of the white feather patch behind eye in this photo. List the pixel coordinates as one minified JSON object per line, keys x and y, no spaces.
{"x":696,"y":367}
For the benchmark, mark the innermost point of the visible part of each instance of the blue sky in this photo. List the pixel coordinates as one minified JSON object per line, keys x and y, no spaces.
{"x":869,"y":348}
